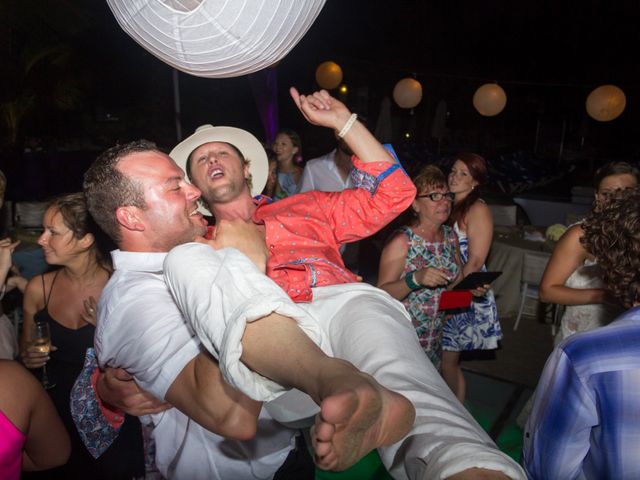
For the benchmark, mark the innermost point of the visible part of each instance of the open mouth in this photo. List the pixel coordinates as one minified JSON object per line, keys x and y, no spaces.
{"x":216,"y":173}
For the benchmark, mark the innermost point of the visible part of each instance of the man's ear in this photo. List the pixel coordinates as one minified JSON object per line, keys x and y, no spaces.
{"x":129,"y":218}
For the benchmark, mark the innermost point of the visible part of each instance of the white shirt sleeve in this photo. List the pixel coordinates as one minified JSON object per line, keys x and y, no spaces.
{"x":142,"y":331}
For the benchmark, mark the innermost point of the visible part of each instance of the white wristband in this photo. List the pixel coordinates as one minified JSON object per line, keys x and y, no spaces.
{"x":347,"y":126}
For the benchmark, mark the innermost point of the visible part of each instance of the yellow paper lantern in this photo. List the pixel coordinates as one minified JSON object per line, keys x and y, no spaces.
{"x":407,"y":93}
{"x":329,"y":75}
{"x":606,"y":103}
{"x":489,"y":99}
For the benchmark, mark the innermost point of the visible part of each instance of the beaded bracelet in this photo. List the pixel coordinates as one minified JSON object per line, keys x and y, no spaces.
{"x":347,"y":126}
{"x":410,"y":280}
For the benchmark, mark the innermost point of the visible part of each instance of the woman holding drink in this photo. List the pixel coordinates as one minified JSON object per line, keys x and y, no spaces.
{"x":65,"y":300}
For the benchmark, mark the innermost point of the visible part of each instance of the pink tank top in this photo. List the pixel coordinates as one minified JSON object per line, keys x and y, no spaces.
{"x":11,"y":442}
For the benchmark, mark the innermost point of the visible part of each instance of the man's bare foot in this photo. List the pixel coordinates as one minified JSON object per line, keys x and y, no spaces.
{"x":354,"y":422}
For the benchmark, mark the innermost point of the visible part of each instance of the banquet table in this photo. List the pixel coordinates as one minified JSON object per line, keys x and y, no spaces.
{"x":507,"y":256}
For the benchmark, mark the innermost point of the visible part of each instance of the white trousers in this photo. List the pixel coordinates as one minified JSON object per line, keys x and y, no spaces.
{"x":220,"y":291}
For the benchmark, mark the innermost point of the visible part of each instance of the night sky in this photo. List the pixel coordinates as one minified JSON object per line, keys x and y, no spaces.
{"x":547,"y":55}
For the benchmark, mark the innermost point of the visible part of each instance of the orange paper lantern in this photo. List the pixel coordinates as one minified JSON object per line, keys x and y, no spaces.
{"x":329,"y":75}
{"x":407,"y":93}
{"x":489,"y":99}
{"x":606,"y":103}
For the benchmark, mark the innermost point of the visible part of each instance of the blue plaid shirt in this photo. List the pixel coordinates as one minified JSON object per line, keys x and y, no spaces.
{"x":585,"y":421}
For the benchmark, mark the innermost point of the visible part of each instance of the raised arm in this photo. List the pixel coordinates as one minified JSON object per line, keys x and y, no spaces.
{"x":322,"y":109}
{"x":568,"y":255}
{"x":32,"y":302}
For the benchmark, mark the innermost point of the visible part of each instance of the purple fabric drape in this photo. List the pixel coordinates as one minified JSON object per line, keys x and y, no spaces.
{"x":264,"y":85}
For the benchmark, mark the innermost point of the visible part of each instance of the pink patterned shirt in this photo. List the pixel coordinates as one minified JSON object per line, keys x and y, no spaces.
{"x":304,"y":232}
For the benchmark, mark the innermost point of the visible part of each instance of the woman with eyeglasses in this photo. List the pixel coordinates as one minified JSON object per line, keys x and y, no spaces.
{"x":478,"y":327}
{"x":421,"y":260}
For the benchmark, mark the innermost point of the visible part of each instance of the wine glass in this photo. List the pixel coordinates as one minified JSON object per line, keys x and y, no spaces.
{"x":41,"y":342}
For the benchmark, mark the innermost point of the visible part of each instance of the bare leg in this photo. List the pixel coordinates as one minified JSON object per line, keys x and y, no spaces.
{"x":357,"y":413}
{"x":452,"y":374}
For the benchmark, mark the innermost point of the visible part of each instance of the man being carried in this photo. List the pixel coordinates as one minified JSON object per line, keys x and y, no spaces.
{"x":139,"y":196}
{"x":364,"y":325}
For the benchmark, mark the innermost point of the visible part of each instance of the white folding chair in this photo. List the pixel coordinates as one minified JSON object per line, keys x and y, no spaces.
{"x":532,"y":269}
{"x":503,"y":214}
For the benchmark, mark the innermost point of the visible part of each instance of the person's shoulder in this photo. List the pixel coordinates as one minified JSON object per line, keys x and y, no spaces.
{"x":321,"y":160}
{"x":619,"y":339}
{"x":479,"y":207}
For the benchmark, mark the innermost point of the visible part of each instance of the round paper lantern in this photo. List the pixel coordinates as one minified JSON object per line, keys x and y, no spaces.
{"x":217,"y":38}
{"x":606,"y":103}
{"x":328,"y":75}
{"x":407,"y":93}
{"x":489,"y":99}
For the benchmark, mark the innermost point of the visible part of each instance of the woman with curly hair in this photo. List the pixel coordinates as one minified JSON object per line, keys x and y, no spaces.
{"x":572,"y":276}
{"x":584,"y":422}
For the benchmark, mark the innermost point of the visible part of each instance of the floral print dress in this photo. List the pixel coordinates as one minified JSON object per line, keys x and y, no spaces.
{"x":422,"y":304}
{"x":476,"y":328}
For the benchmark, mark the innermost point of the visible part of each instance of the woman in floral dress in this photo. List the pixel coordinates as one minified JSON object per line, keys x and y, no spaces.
{"x":421,"y":260}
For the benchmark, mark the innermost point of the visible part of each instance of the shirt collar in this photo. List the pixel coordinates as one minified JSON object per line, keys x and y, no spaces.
{"x":138,"y":261}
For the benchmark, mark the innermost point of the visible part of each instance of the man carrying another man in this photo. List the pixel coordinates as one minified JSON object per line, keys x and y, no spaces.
{"x":373,"y":333}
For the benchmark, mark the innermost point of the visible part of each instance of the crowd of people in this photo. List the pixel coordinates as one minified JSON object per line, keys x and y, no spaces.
{"x":247,"y":349}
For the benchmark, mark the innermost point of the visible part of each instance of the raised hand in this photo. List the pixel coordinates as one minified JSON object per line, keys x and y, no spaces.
{"x":321,"y":109}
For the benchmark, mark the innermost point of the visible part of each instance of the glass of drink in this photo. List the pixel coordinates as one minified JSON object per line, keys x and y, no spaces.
{"x":41,"y":341}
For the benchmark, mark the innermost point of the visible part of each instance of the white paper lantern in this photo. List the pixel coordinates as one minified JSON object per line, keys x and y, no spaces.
{"x":407,"y":93}
{"x":217,"y":38}
{"x":606,"y":103}
{"x":329,"y":75}
{"x":489,"y":99}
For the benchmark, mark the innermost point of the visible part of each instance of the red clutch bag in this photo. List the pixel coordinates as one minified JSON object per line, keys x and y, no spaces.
{"x":451,"y":299}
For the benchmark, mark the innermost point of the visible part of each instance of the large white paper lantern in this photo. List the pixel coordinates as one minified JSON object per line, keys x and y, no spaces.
{"x":217,"y":38}
{"x":489,"y":99}
{"x":407,"y":93}
{"x":606,"y":103}
{"x":329,"y":75}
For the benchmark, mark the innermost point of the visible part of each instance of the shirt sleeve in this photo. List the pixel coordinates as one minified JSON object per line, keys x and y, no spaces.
{"x":144,"y":333}
{"x":383,"y":191}
{"x":557,"y":434}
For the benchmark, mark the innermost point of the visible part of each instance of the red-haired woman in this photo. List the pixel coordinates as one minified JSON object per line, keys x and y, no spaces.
{"x":478,"y":328}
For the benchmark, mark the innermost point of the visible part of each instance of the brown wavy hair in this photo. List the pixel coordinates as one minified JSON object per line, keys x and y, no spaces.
{"x":612,"y":234}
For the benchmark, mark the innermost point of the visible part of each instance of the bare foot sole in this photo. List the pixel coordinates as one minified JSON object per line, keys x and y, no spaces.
{"x":354,"y":422}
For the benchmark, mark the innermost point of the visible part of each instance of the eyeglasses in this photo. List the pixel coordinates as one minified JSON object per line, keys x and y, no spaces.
{"x":437,"y":196}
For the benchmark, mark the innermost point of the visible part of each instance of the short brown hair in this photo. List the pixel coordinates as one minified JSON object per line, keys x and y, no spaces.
{"x":430,"y":176}
{"x":612,"y":234}
{"x":107,"y":189}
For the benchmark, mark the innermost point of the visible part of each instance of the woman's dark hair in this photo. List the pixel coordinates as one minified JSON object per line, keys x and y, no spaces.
{"x":478,"y":169}
{"x":612,"y":234}
{"x":615,"y":168}
{"x":75,"y":215}
{"x":296,"y":141}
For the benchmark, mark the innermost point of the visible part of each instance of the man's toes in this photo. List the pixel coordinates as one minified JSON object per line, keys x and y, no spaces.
{"x":328,"y":461}
{"x":323,"y":431}
{"x":323,"y":449}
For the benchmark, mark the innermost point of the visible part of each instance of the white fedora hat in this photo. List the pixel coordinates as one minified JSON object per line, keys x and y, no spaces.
{"x":251,"y":149}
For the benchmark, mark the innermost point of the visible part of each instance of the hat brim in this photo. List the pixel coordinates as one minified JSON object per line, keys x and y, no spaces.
{"x":251,"y":149}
